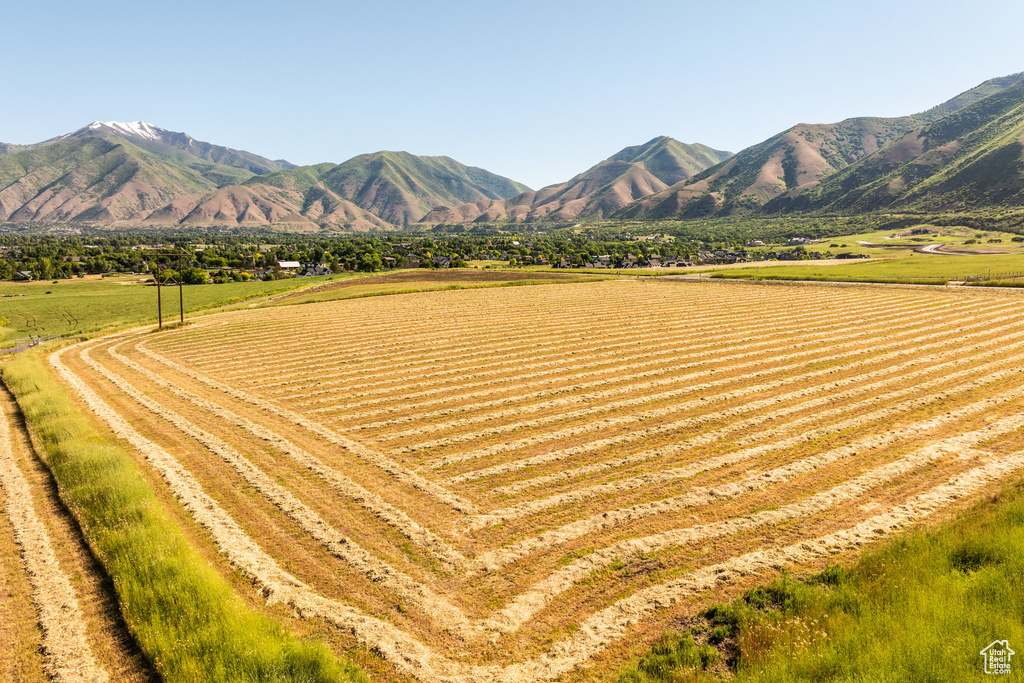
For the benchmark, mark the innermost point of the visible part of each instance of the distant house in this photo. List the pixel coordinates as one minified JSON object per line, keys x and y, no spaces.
{"x":289,"y":265}
{"x":441,"y":261}
{"x":389,"y":262}
{"x":23,"y":276}
{"x":312,"y":269}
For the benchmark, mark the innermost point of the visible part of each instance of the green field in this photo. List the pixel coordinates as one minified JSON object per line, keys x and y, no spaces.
{"x":921,"y":268}
{"x":80,"y":306}
{"x":893,"y":259}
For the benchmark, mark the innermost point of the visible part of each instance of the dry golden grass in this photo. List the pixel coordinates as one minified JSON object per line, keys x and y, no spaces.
{"x":505,"y":484}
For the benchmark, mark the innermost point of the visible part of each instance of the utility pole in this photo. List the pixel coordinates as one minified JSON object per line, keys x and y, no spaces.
{"x":159,"y":307}
{"x":181,"y":295}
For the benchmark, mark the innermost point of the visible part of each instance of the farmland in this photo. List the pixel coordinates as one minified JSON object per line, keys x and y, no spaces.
{"x":69,"y":307}
{"x":497,"y":485}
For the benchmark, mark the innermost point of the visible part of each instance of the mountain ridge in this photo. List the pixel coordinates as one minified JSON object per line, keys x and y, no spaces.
{"x":964,"y":154}
{"x":603,"y":189}
{"x":796,"y":161}
{"x":971,"y":158}
{"x":380,"y":190}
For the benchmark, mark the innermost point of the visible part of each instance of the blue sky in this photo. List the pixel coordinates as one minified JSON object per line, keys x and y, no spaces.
{"x":537,"y":91}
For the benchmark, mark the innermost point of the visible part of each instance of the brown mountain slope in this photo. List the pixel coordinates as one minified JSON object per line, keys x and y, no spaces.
{"x":794,"y":161}
{"x":138,"y":174}
{"x":601,"y":190}
{"x":401,"y":188}
{"x":381,"y":190}
{"x":177,"y":147}
{"x":115,"y":173}
{"x":968,"y":160}
{"x":102,"y":180}
{"x":261,"y":204}
{"x":791,"y":162}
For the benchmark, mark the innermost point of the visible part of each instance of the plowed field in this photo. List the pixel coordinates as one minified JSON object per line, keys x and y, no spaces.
{"x":520,"y":484}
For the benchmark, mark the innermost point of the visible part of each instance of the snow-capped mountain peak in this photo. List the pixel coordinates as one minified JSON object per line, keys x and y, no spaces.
{"x":137,"y":128}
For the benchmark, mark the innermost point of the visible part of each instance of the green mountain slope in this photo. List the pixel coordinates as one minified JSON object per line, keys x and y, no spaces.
{"x":401,"y":188}
{"x":795,"y":161}
{"x":115,"y":172}
{"x":370,"y":191}
{"x":90,"y":179}
{"x":303,"y":206}
{"x":181,"y":148}
{"x":601,"y":190}
{"x":972,"y":158}
{"x":6,"y":148}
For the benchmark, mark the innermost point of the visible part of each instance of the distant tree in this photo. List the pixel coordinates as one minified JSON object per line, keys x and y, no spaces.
{"x":194,"y":276}
{"x":370,"y":262}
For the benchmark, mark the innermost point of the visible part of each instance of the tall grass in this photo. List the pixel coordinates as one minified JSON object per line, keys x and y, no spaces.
{"x":185,"y":616}
{"x":919,"y":608}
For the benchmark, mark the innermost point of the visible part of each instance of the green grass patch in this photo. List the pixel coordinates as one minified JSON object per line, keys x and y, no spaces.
{"x":921,"y":607}
{"x":184,"y":615}
{"x":70,"y":307}
{"x":919,"y":269}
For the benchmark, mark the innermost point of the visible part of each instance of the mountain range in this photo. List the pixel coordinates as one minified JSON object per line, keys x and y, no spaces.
{"x":964,"y":154}
{"x":601,"y":190}
{"x":770,"y":176}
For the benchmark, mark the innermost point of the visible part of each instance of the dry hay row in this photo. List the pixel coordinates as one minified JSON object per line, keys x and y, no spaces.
{"x":651,"y":351}
{"x":545,"y":540}
{"x":366,"y":499}
{"x":387,"y":373}
{"x":561,"y":349}
{"x":517,"y":615}
{"x":385,"y":464}
{"x":336,"y":349}
{"x":702,"y":402}
{"x":505,"y":620}
{"x":242,"y":552}
{"x":701,"y":495}
{"x":893,"y":435}
{"x":523,"y":386}
{"x":553,"y":403}
{"x":611,"y":623}
{"x":68,"y":656}
{"x":484,"y":346}
{"x":633,"y":418}
{"x":281,"y":322}
{"x":267,"y":334}
{"x":707,"y":438}
{"x":353,"y":342}
{"x":438,"y":609}
{"x":736,"y":411}
{"x":542,"y":593}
